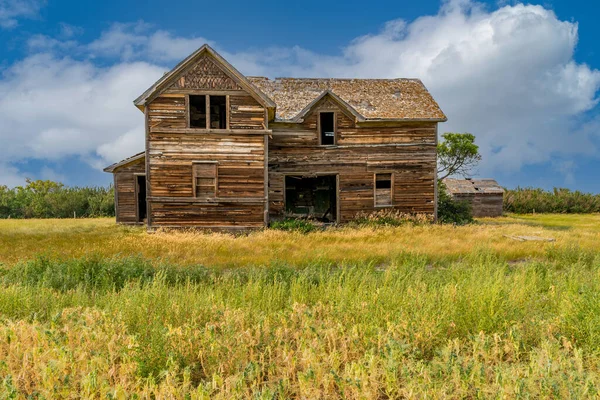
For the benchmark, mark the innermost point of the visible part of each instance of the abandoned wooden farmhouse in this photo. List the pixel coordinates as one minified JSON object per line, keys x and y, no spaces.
{"x":228,"y":151}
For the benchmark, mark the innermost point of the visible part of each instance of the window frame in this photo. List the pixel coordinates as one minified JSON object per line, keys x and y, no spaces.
{"x":195,"y":177}
{"x":207,"y":111}
{"x":392,"y":185}
{"x":319,"y":133}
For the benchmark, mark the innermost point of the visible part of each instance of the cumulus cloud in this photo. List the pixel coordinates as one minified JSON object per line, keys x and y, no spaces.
{"x":13,"y":10}
{"x":137,"y":41}
{"x":58,"y":107}
{"x":506,"y":75}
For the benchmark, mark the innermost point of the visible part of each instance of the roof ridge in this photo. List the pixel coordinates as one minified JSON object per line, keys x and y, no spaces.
{"x":330,"y":79}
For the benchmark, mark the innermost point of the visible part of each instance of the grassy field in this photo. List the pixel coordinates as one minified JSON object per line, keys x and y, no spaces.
{"x":91,"y":309}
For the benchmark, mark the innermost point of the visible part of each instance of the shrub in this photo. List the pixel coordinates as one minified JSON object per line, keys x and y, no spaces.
{"x":390,"y":217}
{"x":294,"y":225}
{"x":565,"y":201}
{"x":451,"y":211}
{"x":48,"y":199}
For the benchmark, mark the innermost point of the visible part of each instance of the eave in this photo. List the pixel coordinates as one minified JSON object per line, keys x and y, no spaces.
{"x":127,"y":161}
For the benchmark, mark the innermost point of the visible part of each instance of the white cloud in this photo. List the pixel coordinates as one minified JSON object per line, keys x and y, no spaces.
{"x":507,"y":75}
{"x":57,"y":107}
{"x":137,"y":41}
{"x":13,"y":10}
{"x":10,"y":175}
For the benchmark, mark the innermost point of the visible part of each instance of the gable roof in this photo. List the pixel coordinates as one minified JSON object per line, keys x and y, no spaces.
{"x":128,"y":160}
{"x":371,"y":99}
{"x":292,"y":98}
{"x":474,"y":186}
{"x":327,"y":93}
{"x":169,"y":77}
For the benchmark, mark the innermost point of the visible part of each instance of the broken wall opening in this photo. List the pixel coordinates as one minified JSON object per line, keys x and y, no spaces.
{"x":141,"y":197}
{"x":311,"y":197}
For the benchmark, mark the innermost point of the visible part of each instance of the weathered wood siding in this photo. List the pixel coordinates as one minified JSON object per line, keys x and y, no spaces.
{"x":167,"y":111}
{"x":246,"y":113}
{"x":483,"y":204}
{"x":240,"y":157}
{"x":125,"y":182}
{"x":407,"y":150}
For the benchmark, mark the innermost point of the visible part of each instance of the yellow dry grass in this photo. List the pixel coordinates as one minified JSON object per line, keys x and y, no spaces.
{"x":476,"y":328}
{"x":26,"y":239}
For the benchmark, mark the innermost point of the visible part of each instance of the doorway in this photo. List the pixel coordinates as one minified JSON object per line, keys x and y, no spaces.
{"x":140,"y":193}
{"x":311,"y":197}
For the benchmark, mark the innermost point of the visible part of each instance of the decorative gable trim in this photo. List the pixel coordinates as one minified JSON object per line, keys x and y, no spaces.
{"x":345,"y":107}
{"x":205,"y":74}
{"x":204,"y":61}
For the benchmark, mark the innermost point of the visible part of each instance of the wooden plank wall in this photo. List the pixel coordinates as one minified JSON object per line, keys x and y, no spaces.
{"x":484,"y":204}
{"x":240,"y":199}
{"x":167,"y":111}
{"x":407,"y":150}
{"x":246,"y":113}
{"x":125,"y":205}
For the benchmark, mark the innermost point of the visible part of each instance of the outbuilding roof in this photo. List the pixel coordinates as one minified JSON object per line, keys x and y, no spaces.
{"x":128,"y":160}
{"x":371,"y":99}
{"x":468,"y":186}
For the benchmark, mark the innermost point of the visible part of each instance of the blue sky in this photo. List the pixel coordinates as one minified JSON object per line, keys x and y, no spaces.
{"x":522,"y":77}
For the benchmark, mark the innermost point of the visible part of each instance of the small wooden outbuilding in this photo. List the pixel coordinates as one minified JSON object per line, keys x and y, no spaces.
{"x":485,"y":195}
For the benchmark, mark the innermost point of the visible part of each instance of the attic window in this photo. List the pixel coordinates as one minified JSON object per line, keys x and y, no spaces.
{"x":198,"y":111}
{"x":327,"y":128}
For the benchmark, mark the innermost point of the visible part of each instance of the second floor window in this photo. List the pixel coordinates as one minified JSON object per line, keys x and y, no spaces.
{"x":208,"y":112}
{"x":198,"y":112}
{"x":218,"y":112}
{"x":327,"y":128}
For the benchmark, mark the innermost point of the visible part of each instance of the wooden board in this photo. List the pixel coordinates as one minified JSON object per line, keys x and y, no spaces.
{"x":125,"y":194}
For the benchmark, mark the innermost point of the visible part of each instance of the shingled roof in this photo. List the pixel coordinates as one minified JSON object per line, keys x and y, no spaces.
{"x":468,"y":186}
{"x":372,"y":99}
{"x":135,"y":157}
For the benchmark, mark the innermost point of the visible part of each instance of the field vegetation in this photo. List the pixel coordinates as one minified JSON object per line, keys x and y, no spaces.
{"x":91,"y":309}
{"x":533,"y":200}
{"x":49,"y":199}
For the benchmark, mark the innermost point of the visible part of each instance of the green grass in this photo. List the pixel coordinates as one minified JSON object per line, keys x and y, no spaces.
{"x":405,"y":324}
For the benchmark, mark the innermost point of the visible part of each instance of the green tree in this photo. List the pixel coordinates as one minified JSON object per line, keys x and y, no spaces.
{"x":452,"y":211}
{"x":457,"y":154}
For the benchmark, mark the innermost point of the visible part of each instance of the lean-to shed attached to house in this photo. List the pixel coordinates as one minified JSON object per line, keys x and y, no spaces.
{"x":485,"y":195}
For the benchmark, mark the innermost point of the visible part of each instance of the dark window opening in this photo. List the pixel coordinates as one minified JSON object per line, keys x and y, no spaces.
{"x":198,"y":111}
{"x":383,"y":190}
{"x":327,"y":128}
{"x":384,"y":181}
{"x":141,"y":197}
{"x":218,"y":112}
{"x":314,"y":197}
